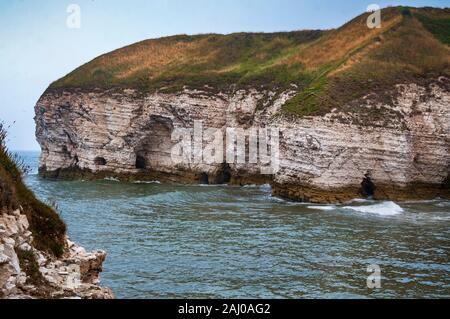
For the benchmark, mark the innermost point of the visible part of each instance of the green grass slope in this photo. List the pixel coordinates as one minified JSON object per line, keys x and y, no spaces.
{"x":402,"y":51}
{"x":437,"y":22}
{"x":196,"y":61}
{"x":331,"y":68}
{"x":45,"y":224}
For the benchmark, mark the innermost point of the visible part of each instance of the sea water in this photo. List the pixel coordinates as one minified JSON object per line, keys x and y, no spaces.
{"x":172,"y":241}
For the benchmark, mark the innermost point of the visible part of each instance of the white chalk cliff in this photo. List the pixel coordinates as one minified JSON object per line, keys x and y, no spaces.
{"x":360,"y":111}
{"x":322,"y":158}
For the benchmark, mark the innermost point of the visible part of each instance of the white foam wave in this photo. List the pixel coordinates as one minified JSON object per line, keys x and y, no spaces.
{"x":444,"y":219}
{"x":147,"y":182}
{"x":277,"y":199}
{"x":265,"y":187}
{"x":260,"y":186}
{"x":324,"y":208}
{"x":360,"y":200}
{"x":382,"y":209}
{"x":211,"y":185}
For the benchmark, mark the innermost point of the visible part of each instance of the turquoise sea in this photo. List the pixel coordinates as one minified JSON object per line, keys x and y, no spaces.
{"x":169,"y":241}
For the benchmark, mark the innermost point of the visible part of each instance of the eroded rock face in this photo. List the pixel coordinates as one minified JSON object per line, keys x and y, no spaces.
{"x":404,"y":145}
{"x":75,"y":275}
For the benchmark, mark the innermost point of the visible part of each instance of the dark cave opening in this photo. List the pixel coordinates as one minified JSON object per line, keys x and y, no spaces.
{"x":446,"y":183}
{"x":75,"y":161}
{"x":367,"y":186}
{"x":204,"y":179}
{"x":224,"y":175}
{"x":101,"y":161}
{"x":141,"y":162}
{"x":154,"y":147}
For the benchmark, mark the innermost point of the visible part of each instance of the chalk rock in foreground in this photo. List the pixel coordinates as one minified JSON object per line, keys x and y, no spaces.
{"x":75,"y":275}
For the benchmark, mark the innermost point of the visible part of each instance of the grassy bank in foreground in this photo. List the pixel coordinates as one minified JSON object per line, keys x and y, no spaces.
{"x":47,"y":227}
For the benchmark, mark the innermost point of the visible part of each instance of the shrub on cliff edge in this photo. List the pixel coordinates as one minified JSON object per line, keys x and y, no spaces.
{"x":47,"y":227}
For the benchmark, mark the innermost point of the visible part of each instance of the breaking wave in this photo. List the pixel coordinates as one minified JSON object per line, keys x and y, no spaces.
{"x":147,"y":182}
{"x":382,"y":209}
{"x":324,"y":208}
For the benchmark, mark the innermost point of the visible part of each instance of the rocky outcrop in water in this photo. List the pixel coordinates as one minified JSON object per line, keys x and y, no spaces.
{"x":26,"y":272}
{"x":392,"y":150}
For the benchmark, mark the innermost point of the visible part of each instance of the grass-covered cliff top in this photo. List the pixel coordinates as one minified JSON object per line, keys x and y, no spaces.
{"x":329,"y":67}
{"x":45,"y":224}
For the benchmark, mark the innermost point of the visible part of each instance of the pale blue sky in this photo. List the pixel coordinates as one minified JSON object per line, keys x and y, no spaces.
{"x":36,"y":47}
